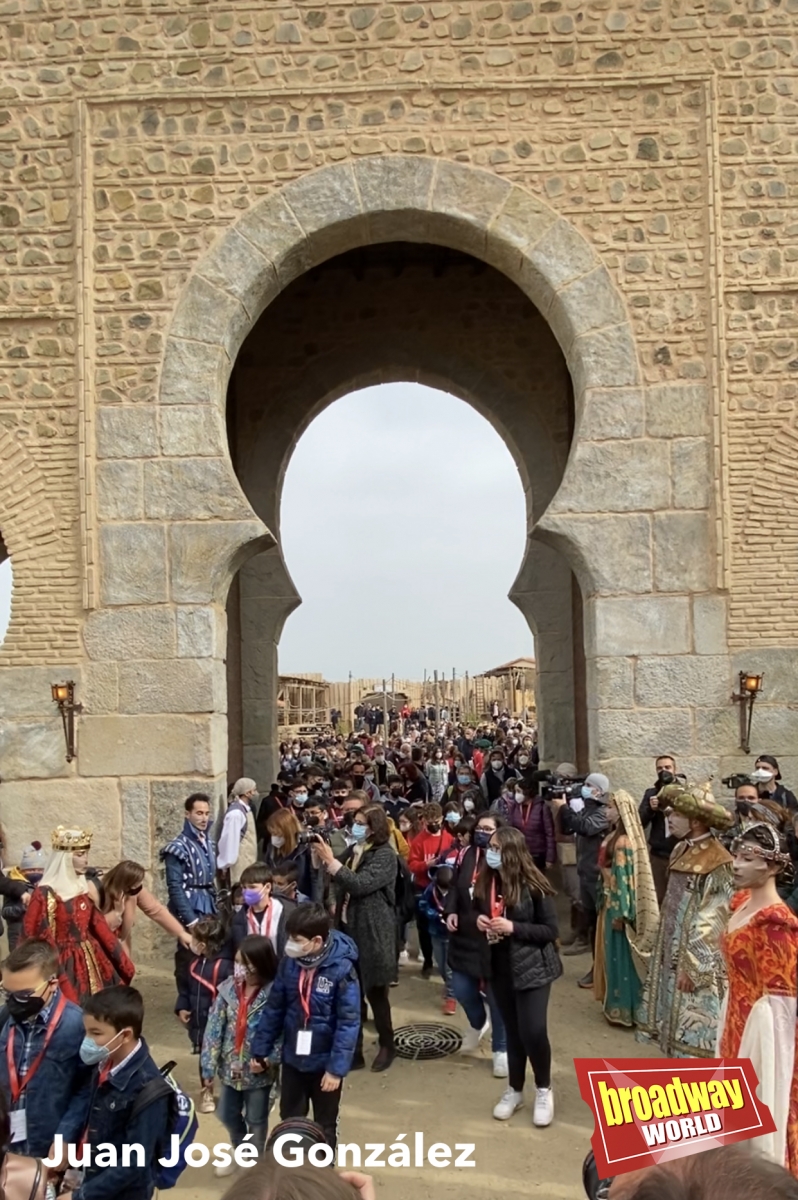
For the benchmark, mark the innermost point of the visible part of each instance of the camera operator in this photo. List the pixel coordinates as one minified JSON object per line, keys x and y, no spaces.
{"x":586,"y":816}
{"x":566,"y":781}
{"x":652,"y":818}
{"x":365,"y":886}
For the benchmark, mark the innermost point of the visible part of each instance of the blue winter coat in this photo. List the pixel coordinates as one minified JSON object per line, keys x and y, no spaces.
{"x":56,"y":1096}
{"x":334,"y":1012}
{"x":435,"y":917}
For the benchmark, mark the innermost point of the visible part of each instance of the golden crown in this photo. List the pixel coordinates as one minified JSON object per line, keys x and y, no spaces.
{"x":70,"y":839}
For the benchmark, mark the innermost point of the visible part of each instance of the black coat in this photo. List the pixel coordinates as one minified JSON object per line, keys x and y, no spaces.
{"x":469,"y":951}
{"x":370,"y":914}
{"x":591,"y":827}
{"x":653,"y":819}
{"x":534,"y":961}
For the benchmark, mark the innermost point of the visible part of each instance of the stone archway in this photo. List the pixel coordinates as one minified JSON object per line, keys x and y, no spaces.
{"x":614,"y":502}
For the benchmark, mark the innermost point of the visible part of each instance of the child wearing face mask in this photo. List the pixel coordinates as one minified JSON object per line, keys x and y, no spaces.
{"x":211,"y":964}
{"x":114,"y":1047}
{"x":431,"y":843}
{"x":314,"y":1006}
{"x":433,"y":904}
{"x":262,"y":913}
{"x":227,"y":1046}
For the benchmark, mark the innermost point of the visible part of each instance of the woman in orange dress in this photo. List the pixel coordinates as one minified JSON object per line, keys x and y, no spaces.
{"x":758,"y":1019}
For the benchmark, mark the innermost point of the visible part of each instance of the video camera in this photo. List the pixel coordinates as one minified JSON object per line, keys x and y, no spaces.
{"x":559,"y":785}
{"x":735,"y":781}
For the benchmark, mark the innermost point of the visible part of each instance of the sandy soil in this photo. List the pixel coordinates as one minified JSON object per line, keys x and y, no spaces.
{"x":450,"y":1099}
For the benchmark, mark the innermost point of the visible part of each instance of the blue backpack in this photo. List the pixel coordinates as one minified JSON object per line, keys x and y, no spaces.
{"x":182,"y":1123}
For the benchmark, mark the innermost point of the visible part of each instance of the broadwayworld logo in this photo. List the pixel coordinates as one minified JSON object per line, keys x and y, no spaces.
{"x":647,"y":1111}
{"x":630,"y":1105}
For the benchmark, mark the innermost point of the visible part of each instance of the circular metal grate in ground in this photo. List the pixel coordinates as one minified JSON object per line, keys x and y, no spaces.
{"x":427,"y":1040}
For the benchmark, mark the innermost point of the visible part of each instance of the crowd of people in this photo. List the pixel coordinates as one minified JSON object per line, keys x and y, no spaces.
{"x":291,"y":913}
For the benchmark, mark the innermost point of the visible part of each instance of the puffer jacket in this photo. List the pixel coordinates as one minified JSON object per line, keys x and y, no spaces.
{"x":218,"y":1044}
{"x":201,"y":985}
{"x":534,"y":960}
{"x":334,"y":1011}
{"x":469,"y":951}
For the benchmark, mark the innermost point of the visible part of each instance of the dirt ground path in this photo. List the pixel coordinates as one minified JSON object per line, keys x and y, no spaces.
{"x":449,"y":1099}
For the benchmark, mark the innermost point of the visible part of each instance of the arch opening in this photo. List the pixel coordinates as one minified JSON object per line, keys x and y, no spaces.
{"x":388,"y":312}
{"x":6,"y":587}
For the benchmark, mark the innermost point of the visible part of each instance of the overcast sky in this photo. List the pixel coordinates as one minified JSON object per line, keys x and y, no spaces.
{"x":403,"y":529}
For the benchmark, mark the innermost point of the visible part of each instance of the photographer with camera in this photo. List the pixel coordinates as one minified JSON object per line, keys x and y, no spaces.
{"x":586,"y":816}
{"x":365,"y":887}
{"x":652,"y":817}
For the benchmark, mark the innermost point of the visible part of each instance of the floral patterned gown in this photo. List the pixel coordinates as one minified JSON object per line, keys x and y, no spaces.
{"x":90,"y":956}
{"x":616,"y":981}
{"x":758,"y":1018}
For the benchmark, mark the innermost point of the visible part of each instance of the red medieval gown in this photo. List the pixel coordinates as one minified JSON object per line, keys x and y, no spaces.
{"x":90,"y":956}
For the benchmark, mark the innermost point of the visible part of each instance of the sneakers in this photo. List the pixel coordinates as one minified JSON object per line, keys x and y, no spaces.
{"x":449,"y":1006}
{"x":543,"y":1113}
{"x":500,"y":1068}
{"x":221,"y":1171}
{"x":472,"y":1037}
{"x":404,"y":957}
{"x":207,"y":1103}
{"x":510,"y":1103}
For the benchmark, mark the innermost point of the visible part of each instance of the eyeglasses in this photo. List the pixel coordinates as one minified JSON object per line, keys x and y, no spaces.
{"x":25,"y":993}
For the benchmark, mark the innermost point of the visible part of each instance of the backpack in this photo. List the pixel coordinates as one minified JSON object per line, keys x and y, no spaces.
{"x":182,"y":1122}
{"x":404,"y":893}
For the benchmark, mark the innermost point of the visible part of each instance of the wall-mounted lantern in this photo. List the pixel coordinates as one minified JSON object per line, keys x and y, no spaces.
{"x":64,"y":697}
{"x":750,"y":687}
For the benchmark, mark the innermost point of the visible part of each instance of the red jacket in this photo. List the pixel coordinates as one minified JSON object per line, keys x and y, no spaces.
{"x":422,"y":846}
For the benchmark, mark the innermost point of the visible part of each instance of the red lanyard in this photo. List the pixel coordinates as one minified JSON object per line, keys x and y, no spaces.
{"x":15,"y":1086}
{"x":212,"y":986}
{"x":256,"y":926}
{"x":496,"y":904}
{"x":524,"y":823}
{"x":305,"y":991}
{"x":242,"y":1016}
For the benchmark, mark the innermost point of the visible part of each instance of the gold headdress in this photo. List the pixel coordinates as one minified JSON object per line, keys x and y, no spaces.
{"x":698,"y":803}
{"x":70,"y":839}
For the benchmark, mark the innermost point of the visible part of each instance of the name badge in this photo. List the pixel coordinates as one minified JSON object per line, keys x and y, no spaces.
{"x":303,"y":1041}
{"x":19,"y":1126}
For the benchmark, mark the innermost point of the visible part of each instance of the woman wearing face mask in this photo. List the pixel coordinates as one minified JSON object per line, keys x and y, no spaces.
{"x":283,"y":830}
{"x":243,"y":1106}
{"x":122,"y":896}
{"x":494,"y":776}
{"x":686,"y":977}
{"x":437,"y":772}
{"x":758,"y":1021}
{"x":365,"y":885}
{"x":469,"y":953}
{"x":532,"y":816}
{"x":516,"y":915}
{"x":63,"y":911}
{"x":465,"y":790}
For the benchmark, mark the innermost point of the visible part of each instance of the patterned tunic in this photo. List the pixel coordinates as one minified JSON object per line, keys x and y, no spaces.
{"x":90,"y":956}
{"x":694,"y":914}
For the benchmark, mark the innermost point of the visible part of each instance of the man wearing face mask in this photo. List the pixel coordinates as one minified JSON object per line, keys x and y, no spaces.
{"x":382,"y":768}
{"x":588,"y":820}
{"x":686,"y":978}
{"x":41,"y":1072}
{"x":767,"y":778}
{"x":494,"y":776}
{"x":652,"y":817}
{"x":361,"y":782}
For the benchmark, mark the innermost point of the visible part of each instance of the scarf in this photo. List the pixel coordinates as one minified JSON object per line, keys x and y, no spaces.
{"x":644,"y":934}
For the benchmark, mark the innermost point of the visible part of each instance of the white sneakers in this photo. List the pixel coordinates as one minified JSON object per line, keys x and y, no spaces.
{"x":472,"y":1037}
{"x":207,"y":1103}
{"x":543,"y":1112}
{"x":219,"y":1172}
{"x":510,"y":1103}
{"x":404,"y":957}
{"x":500,"y":1068}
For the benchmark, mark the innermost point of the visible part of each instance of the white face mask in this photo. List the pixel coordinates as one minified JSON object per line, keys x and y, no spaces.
{"x":496,"y":764}
{"x":295,"y":949}
{"x":277,"y":840}
{"x":520,"y":797}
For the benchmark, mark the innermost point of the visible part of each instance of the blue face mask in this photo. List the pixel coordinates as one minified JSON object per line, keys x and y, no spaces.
{"x":587,"y":792}
{"x":493,"y":858}
{"x":463,"y":780}
{"x":93,"y":1054}
{"x":453,"y":818}
{"x":359,"y":833}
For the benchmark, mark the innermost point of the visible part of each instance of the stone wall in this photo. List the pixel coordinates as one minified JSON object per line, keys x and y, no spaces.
{"x":629,"y":165}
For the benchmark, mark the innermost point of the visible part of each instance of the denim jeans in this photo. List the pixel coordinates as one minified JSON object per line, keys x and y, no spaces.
{"x":468,"y":996}
{"x":440,"y":952}
{"x":245,"y":1112}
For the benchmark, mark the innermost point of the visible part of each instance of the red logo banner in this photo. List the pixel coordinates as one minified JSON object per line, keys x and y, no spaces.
{"x":651,"y":1110}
